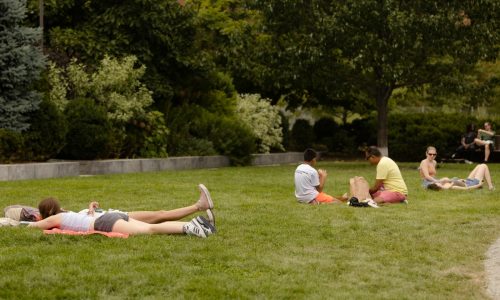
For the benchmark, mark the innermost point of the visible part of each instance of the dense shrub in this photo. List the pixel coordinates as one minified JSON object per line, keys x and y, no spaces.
{"x":363,"y":131}
{"x":302,"y":135}
{"x":233,"y":138}
{"x":192,"y":146}
{"x":46,"y":136}
{"x":409,"y":135}
{"x":90,"y":132}
{"x":263,"y":119}
{"x":196,"y":131}
{"x":11,"y":145}
{"x":146,"y":136}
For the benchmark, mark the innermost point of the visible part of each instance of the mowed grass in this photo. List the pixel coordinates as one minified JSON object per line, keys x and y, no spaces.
{"x":268,"y":246}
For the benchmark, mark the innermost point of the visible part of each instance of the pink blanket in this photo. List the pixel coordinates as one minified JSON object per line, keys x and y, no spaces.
{"x":71,"y":232}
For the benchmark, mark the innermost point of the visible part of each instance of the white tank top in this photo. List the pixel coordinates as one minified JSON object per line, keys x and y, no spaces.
{"x":76,"y":222}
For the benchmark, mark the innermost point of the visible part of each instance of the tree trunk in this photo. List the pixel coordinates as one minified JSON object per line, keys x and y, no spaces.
{"x":382,"y":119}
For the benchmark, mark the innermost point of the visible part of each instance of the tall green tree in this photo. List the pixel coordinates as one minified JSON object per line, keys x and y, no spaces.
{"x":393,"y":44}
{"x":382,"y":45}
{"x":20,"y":65}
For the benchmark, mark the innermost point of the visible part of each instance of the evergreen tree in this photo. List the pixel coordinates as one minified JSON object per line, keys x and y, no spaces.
{"x":20,"y":65}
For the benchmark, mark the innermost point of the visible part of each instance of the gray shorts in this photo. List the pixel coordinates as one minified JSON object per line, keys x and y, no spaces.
{"x":105,"y":222}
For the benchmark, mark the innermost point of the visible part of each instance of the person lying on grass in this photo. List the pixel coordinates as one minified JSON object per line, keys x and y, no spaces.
{"x":151,"y":217}
{"x":309,"y":182}
{"x":54,"y":217}
{"x":475,"y":180}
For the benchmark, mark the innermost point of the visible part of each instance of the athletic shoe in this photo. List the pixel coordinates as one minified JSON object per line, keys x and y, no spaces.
{"x":371,"y":203}
{"x":211,"y":217}
{"x":205,"y":203}
{"x":194,"y":228}
{"x":353,"y":201}
{"x":205,"y":225}
{"x":468,"y":162}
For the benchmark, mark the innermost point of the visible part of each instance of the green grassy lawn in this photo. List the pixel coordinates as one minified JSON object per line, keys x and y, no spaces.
{"x":268,"y":245}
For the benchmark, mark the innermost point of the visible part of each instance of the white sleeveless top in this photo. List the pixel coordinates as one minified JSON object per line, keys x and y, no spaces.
{"x":76,"y":222}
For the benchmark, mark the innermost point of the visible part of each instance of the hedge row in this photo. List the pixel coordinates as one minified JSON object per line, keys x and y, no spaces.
{"x":409,"y":135}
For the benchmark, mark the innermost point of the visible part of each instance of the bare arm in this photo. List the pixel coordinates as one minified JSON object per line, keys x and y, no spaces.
{"x":464,"y":143}
{"x":47,"y":223}
{"x":92,"y":206}
{"x":378,"y":184}
{"x":322,"y":179}
{"x":490,"y":133}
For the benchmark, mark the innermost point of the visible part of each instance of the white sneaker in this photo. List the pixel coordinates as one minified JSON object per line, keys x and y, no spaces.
{"x":371,"y":203}
{"x":211,"y":217}
{"x":206,"y":226}
{"x":194,"y":228}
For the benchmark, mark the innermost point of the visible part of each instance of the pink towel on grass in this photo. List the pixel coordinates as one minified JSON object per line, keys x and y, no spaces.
{"x":71,"y":232}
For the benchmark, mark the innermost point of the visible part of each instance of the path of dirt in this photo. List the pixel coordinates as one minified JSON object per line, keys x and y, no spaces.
{"x":492,"y":266}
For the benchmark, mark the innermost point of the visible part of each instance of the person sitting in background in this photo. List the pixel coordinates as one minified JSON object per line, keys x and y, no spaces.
{"x":485,"y":140}
{"x":309,"y":182}
{"x":467,"y":144}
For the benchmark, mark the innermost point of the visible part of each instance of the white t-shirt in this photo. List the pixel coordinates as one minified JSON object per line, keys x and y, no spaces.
{"x":306,"y":181}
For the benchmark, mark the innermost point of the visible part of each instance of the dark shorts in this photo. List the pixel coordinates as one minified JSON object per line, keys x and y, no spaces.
{"x":105,"y":222}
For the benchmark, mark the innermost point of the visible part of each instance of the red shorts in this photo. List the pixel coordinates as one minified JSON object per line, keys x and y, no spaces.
{"x":389,"y":196}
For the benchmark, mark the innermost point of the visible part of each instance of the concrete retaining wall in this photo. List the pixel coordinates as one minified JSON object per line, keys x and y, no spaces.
{"x":151,"y":165}
{"x":117,"y":166}
{"x":39,"y":170}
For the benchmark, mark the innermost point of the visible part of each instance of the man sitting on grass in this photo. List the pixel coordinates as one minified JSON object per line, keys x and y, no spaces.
{"x":389,"y":185}
{"x":309,"y":182}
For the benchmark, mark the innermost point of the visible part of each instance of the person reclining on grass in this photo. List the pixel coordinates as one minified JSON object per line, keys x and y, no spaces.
{"x":54,"y":217}
{"x":389,"y":185}
{"x":475,"y":180}
{"x":309,"y":182}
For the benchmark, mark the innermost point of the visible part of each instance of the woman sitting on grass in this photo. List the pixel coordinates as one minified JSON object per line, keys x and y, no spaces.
{"x":475,"y":180}
{"x":428,"y":171}
{"x":54,"y":217}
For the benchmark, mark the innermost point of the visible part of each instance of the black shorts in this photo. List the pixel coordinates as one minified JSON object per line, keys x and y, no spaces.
{"x":105,"y":222}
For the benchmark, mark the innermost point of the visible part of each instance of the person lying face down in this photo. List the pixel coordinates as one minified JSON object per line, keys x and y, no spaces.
{"x":55,"y":217}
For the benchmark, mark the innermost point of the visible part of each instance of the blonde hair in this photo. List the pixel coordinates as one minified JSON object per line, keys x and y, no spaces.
{"x":430,"y":148}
